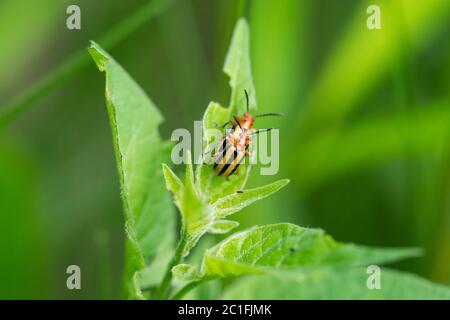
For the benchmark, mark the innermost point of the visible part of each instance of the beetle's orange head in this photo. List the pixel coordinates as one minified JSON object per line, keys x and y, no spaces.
{"x":247,"y":121}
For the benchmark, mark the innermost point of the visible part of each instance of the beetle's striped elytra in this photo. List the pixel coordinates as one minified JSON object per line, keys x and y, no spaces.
{"x":234,"y":146}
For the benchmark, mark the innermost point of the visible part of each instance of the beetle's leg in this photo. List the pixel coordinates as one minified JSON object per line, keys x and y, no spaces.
{"x":211,"y":150}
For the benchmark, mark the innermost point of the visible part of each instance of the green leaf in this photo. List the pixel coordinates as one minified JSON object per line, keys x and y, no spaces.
{"x":237,"y":201}
{"x":173,"y":183}
{"x":186,"y":272}
{"x":344,"y":284}
{"x":139,"y":152}
{"x":205,"y":290}
{"x":208,"y":183}
{"x":135,"y":291}
{"x":204,"y":199}
{"x":223,"y":226}
{"x":199,"y":215}
{"x":237,"y":67}
{"x":287,"y":247}
{"x":151,"y":276}
{"x":196,"y":214}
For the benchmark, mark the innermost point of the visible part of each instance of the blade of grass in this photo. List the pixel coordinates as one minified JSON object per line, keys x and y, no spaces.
{"x":180,"y":50}
{"x":367,"y":54}
{"x":17,"y":38}
{"x":330,"y":154}
{"x":79,"y":61}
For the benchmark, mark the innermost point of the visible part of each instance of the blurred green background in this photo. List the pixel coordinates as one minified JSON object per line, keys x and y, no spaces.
{"x":365,"y":140}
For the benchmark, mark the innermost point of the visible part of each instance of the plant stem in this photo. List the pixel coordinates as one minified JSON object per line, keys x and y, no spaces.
{"x":167,"y":279}
{"x":183,"y":291}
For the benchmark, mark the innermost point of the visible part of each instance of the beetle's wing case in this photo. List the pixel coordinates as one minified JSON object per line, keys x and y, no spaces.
{"x":228,"y":158}
{"x":222,"y":154}
{"x":229,"y":155}
{"x":234,"y":164}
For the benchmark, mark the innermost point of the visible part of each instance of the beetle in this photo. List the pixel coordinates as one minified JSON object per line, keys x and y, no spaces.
{"x":234,"y":146}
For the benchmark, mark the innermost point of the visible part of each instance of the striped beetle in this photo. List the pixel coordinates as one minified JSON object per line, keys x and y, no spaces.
{"x":234,"y":146}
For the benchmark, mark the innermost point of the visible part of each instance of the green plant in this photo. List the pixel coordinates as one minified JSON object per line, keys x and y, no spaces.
{"x":304,"y":263}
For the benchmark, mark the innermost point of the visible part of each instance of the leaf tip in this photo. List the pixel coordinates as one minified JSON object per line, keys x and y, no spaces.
{"x":222,"y":226}
{"x":185,"y":272}
{"x":173,"y":183}
{"x":284,"y":182}
{"x":99,"y":55}
{"x":416,"y":252}
{"x":242,"y":24}
{"x":277,"y":185}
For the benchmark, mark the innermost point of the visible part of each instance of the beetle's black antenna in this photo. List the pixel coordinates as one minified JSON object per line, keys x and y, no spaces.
{"x":271,"y":114}
{"x":261,"y":131}
{"x":237,"y":121}
{"x":246,"y":98}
